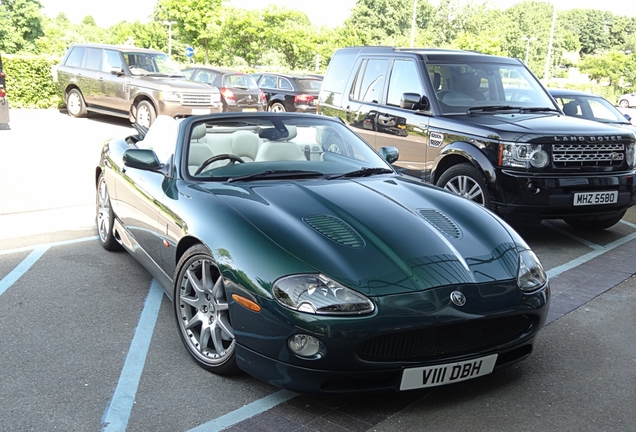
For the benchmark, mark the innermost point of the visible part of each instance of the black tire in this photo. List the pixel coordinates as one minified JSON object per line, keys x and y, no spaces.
{"x":146,"y":114}
{"x":105,"y":217}
{"x":624,"y":103}
{"x":277,"y":107}
{"x":466,"y":180}
{"x":75,"y":104}
{"x":595,"y":224}
{"x":202,"y":312}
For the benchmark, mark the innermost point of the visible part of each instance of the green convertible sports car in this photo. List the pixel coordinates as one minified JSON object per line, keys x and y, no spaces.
{"x":293,"y":251}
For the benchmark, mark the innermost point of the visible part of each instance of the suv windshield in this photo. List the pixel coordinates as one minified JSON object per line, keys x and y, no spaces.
{"x":141,"y":63}
{"x":460,"y":86}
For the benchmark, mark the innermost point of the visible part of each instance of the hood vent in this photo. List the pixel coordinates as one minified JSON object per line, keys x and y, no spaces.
{"x":335,"y":229}
{"x":442,"y":222}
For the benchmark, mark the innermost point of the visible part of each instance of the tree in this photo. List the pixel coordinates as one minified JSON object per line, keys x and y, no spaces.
{"x":20,"y":25}
{"x":610,"y":66}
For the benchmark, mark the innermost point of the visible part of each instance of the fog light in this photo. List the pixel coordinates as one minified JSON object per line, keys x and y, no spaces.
{"x":533,"y":188}
{"x":304,"y":345}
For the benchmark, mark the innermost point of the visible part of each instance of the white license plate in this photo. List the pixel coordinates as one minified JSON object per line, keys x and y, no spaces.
{"x":249,"y":109}
{"x":431,"y":376}
{"x":200,"y":111}
{"x":595,"y":198}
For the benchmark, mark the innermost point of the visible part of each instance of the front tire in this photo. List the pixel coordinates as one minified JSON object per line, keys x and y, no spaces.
{"x":595,"y":224}
{"x":202,"y":312}
{"x":146,"y":114}
{"x":466,"y":180}
{"x":624,"y":103}
{"x":75,"y":104}
{"x":105,"y":217}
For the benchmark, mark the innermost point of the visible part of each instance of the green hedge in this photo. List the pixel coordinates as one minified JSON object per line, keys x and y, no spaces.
{"x":29,"y":81}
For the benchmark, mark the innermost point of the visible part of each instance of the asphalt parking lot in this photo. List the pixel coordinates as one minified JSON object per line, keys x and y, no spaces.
{"x":88,"y":341}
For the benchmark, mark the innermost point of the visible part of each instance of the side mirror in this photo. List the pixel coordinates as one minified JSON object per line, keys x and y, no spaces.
{"x":116,"y":71}
{"x":389,"y":154}
{"x":144,"y":159}
{"x":414,"y":101}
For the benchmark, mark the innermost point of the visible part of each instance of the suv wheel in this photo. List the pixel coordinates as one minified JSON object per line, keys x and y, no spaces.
{"x":75,"y":104}
{"x":277,"y":107}
{"x":465,"y":180}
{"x":146,"y":114}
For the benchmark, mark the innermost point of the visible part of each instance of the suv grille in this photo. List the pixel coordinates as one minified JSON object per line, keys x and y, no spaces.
{"x":196,"y":98}
{"x":601,"y":154}
{"x":454,"y":339}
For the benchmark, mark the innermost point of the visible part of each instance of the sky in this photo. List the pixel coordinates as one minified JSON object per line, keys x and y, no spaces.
{"x":323,"y":12}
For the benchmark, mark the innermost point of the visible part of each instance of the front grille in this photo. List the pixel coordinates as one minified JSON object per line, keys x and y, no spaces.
{"x":454,"y":339}
{"x":601,"y":154}
{"x":196,"y":98}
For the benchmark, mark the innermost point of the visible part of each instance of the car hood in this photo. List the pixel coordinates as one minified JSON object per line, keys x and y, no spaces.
{"x":381,"y":235}
{"x":521,"y":127}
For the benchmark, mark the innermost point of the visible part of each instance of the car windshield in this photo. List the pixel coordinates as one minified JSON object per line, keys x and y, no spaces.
{"x":591,"y":107}
{"x":157,"y":64}
{"x":460,"y":86}
{"x":240,"y":81}
{"x":309,"y":84}
{"x":249,"y":147}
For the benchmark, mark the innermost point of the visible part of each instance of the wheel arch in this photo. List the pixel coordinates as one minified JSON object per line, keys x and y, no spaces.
{"x":460,"y":152}
{"x":132,"y":115}
{"x":68,"y":89}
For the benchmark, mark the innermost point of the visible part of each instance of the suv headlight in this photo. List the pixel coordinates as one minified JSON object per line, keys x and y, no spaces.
{"x":170,"y":96}
{"x":531,"y":275}
{"x":519,"y":155}
{"x":318,"y":294}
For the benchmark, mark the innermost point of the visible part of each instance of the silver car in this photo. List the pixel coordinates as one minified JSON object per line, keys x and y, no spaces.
{"x":130,"y":82}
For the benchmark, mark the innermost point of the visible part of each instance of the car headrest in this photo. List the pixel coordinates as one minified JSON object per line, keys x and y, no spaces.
{"x":199,"y":131}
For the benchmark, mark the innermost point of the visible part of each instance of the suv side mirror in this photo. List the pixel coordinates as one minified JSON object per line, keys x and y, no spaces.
{"x":389,"y":154}
{"x":115,"y":70}
{"x":414,"y":101}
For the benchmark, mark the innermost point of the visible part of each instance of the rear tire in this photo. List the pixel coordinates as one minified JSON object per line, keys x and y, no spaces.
{"x":277,"y":107}
{"x":75,"y":104}
{"x":623,"y":103}
{"x":595,"y":224}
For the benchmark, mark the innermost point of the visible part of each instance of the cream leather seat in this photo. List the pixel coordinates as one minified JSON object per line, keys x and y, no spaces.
{"x":199,"y":149}
{"x":245,"y":145}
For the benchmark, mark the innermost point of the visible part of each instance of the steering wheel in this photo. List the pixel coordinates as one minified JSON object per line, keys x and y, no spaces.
{"x":232,"y":158}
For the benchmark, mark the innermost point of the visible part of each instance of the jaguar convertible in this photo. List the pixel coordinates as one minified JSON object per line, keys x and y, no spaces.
{"x":293,"y":251}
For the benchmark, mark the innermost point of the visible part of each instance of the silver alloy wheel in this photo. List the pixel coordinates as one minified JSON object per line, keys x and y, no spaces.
{"x":103,"y":212}
{"x":623,"y":103}
{"x":74,"y":103}
{"x":203,"y":313}
{"x":277,"y":108}
{"x":143,"y":115}
{"x":467,"y":187}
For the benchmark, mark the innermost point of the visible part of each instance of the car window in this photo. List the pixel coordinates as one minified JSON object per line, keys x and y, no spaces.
{"x":284,"y":84}
{"x":94,"y":59}
{"x":150,"y":63}
{"x":111,"y":59}
{"x":369,"y":81}
{"x":204,"y":77}
{"x":404,"y":79}
{"x":602,"y":112}
{"x":75,"y":57}
{"x":239,"y":80}
{"x":188,"y":73}
{"x":309,"y":84}
{"x":338,"y":73}
{"x":268,"y":81}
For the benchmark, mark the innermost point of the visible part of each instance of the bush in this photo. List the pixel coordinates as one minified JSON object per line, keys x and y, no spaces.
{"x":29,"y":81}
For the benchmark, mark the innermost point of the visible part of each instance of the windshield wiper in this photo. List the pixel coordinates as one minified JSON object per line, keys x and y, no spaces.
{"x":362,"y":172}
{"x":490,"y":108}
{"x":277,"y":174}
{"x":539,"y":109}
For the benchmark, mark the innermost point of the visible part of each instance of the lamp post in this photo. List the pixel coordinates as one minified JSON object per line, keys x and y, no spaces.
{"x":169,"y":24}
{"x":528,"y":40}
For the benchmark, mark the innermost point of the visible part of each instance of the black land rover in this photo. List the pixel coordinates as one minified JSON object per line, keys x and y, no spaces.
{"x":484,"y":127}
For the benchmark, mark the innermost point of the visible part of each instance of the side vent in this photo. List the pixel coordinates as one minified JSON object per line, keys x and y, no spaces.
{"x":442,"y":222}
{"x":336,"y":230}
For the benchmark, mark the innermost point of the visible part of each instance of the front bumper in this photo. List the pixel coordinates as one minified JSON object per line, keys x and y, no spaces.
{"x":551,"y":196}
{"x":176,"y":109}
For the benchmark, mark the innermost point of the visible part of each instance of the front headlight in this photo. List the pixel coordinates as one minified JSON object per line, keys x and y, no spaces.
{"x":170,"y":96}
{"x":531,"y":275}
{"x":318,"y":294}
{"x":520,"y":155}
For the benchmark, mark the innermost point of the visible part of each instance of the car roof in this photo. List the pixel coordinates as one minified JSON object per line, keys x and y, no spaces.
{"x":286,"y":75}
{"x":217,"y":70}
{"x":436,"y":53}
{"x":558,"y":92}
{"x":126,"y":48}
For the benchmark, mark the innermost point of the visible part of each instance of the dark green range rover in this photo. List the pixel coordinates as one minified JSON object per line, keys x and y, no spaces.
{"x":484,"y":127}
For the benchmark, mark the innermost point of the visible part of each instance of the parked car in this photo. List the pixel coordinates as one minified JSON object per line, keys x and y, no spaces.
{"x":484,"y":127}
{"x":627,"y":100}
{"x":315,"y":270}
{"x":591,"y":107}
{"x":129,"y":82}
{"x":239,"y":91}
{"x":289,"y":92}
